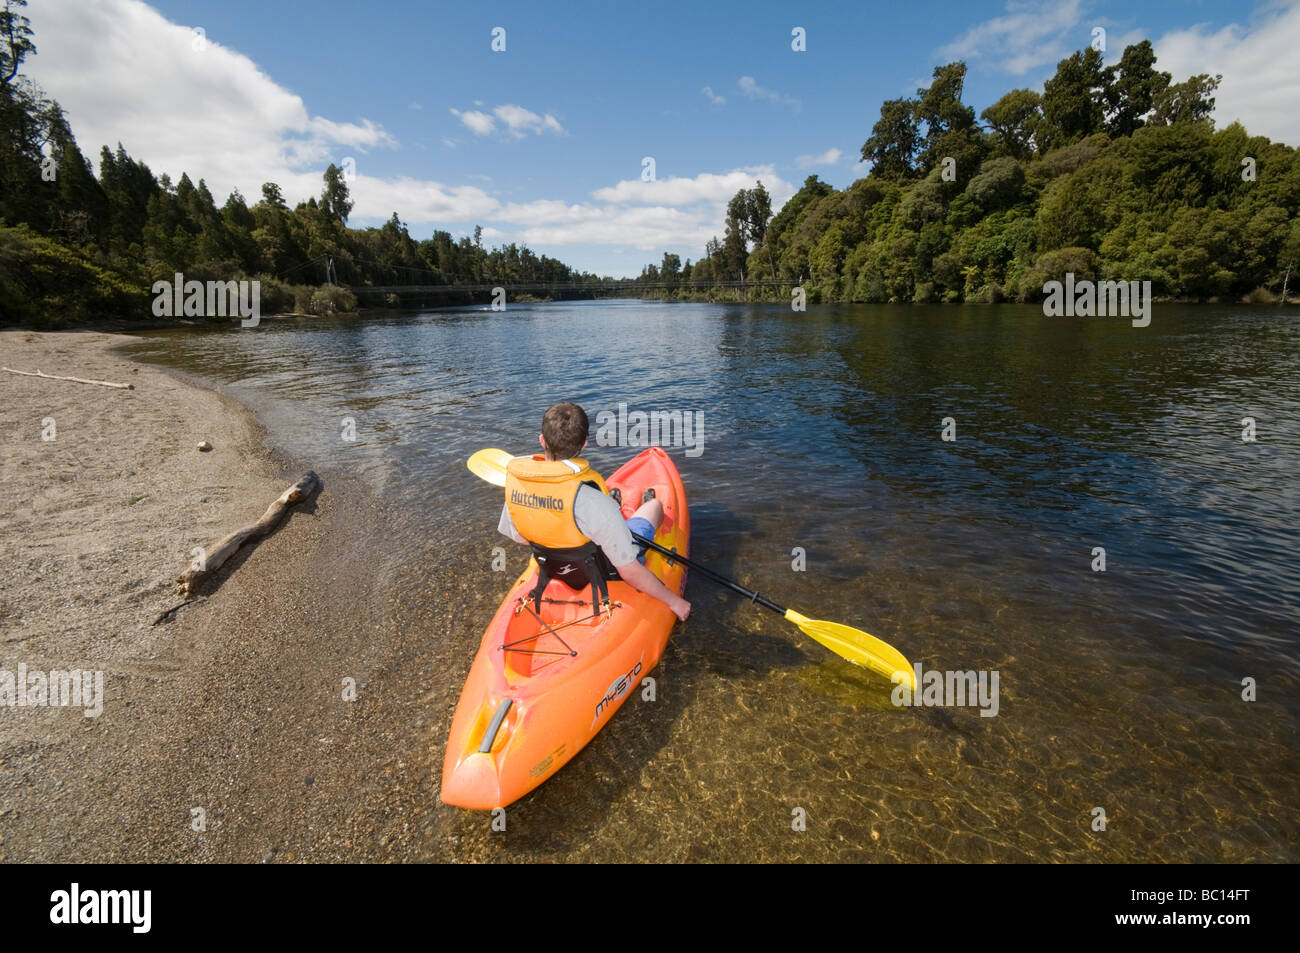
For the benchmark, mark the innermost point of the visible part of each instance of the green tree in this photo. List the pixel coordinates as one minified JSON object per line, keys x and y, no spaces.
{"x":24,"y":196}
{"x":998,"y":184}
{"x":239,"y":225}
{"x":1171,"y":166}
{"x":1072,"y":99}
{"x":129,"y":186}
{"x":1191,"y":101}
{"x":813,"y":188}
{"x":15,"y":40}
{"x":950,"y":130}
{"x":670,"y":270}
{"x":748,"y":214}
{"x":895,"y":141}
{"x":272,"y":196}
{"x":731,"y":257}
{"x":79,"y":211}
{"x":1013,"y":122}
{"x":1131,"y":88}
{"x":335,"y":201}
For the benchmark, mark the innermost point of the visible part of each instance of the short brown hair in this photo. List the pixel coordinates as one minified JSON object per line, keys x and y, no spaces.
{"x":564,"y":426}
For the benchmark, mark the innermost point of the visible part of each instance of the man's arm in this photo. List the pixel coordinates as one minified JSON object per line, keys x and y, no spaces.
{"x":599,"y":519}
{"x":506,"y":526}
{"x":643,"y":580}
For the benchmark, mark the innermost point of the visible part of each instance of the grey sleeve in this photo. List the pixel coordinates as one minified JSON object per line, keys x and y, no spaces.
{"x":506,"y":526}
{"x":599,"y":519}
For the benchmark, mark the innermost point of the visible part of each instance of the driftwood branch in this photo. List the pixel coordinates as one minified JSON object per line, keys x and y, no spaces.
{"x":226,"y":548}
{"x":77,"y":380}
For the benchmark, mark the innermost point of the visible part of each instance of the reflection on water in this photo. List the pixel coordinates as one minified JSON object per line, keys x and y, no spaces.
{"x":1120,"y":690}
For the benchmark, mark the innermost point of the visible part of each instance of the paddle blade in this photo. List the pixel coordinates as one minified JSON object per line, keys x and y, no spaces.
{"x":858,"y":647}
{"x":490,"y":465}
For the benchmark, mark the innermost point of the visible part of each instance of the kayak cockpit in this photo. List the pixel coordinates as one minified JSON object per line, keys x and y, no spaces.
{"x":535,"y":641}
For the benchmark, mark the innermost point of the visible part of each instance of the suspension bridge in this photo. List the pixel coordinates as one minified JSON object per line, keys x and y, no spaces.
{"x":514,"y":288}
{"x":561,"y":289}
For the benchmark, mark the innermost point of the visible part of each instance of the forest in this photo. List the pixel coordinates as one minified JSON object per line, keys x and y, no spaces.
{"x":1111,"y":173}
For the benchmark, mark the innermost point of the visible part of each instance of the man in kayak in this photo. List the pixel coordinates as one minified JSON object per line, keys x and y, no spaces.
{"x":536,"y":494}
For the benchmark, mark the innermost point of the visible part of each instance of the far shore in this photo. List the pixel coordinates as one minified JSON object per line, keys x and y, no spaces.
{"x":723,"y":296}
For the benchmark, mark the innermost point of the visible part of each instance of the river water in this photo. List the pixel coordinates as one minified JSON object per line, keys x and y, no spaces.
{"x":819,"y":475}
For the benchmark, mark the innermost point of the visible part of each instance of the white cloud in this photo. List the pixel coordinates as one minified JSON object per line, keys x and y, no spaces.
{"x":517,"y":120}
{"x":1031,"y":34}
{"x":1116,"y":42}
{"x":646,"y":228}
{"x":749,"y":86}
{"x":676,"y":212}
{"x":829,"y":157}
{"x":1261,"y":85}
{"x":479,"y":123}
{"x":419,"y":200}
{"x":705,"y":187}
{"x":713,"y":97}
{"x":210,"y":112}
{"x":520,"y":121}
{"x":667,"y":213}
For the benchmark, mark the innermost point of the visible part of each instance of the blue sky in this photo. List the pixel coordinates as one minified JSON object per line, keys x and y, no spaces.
{"x":544,"y":143}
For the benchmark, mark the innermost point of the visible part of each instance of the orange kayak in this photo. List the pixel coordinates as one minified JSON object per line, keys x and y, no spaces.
{"x":541,"y":688}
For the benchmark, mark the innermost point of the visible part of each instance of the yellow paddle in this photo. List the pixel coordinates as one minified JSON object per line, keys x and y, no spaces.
{"x":845,"y":641}
{"x":490,"y":465}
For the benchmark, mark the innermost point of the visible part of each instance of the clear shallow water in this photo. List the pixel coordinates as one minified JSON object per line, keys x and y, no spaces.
{"x":822,"y":431}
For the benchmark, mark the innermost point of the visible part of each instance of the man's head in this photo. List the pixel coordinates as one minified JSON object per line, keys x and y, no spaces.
{"x":564,"y":431}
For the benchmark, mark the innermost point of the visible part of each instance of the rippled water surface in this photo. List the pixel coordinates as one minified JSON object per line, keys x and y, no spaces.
{"x":1119,"y":690}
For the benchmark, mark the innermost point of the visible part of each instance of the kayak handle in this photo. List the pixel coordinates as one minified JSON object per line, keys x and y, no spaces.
{"x":490,"y":736}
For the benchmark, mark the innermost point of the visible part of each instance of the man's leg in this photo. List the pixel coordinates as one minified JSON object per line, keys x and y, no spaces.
{"x":646,"y":520}
{"x":652,"y":511}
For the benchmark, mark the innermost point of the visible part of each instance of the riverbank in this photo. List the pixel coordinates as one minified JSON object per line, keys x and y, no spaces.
{"x":216,"y":726}
{"x":105,"y":492}
{"x":816,"y":294}
{"x":296,"y":712}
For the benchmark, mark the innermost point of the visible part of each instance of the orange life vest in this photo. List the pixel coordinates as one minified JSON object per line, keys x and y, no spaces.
{"x":540,"y":495}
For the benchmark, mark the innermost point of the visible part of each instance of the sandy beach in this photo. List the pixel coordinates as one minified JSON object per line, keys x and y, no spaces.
{"x":218,"y":725}
{"x":99,"y":519}
{"x":225,"y":734}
